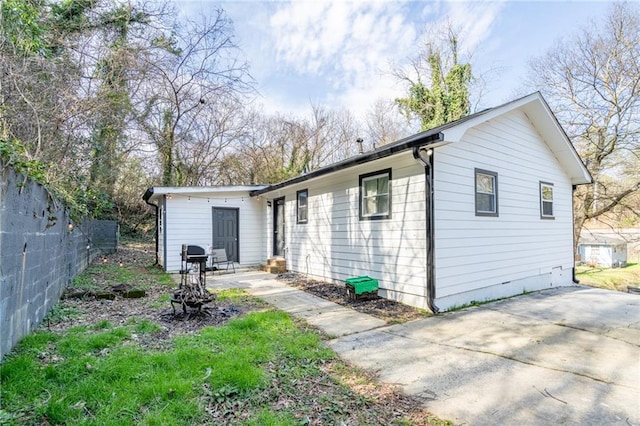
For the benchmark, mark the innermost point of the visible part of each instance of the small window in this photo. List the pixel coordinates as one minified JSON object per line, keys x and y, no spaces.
{"x":546,"y":200}
{"x":375,"y":195}
{"x":486,"y":193}
{"x":302,"y":206}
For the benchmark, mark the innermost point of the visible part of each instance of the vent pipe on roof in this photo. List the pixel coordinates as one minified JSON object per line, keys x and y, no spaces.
{"x":359,"y":142}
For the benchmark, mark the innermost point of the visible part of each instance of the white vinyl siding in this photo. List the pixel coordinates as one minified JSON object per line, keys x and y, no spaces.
{"x":339,"y":245}
{"x":189,"y":220}
{"x":476,"y":252}
{"x":603,"y":254}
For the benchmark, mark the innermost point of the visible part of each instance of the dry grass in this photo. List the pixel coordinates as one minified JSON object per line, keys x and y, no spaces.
{"x":610,"y":278}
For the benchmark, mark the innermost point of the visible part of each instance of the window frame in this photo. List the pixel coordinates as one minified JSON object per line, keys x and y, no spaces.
{"x":477,"y":194}
{"x":542,"y":201}
{"x":306,"y":206}
{"x":361,"y":180}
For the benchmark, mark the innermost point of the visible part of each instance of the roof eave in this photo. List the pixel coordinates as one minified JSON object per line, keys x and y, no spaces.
{"x":566,"y":153}
{"x":158,"y":191}
{"x":539,"y":112}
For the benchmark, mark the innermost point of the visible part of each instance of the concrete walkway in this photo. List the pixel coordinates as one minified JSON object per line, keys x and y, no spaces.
{"x":333,"y":319}
{"x":563,"y":356}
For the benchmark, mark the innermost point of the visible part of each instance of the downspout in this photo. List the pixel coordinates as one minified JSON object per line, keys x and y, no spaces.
{"x":146,"y":200}
{"x":573,"y":223}
{"x":425,"y":157}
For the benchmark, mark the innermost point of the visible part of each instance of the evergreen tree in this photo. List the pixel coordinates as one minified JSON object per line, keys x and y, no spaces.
{"x":447,"y":97}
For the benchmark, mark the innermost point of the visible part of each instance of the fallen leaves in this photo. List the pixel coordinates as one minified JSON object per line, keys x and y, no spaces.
{"x":385,"y":309}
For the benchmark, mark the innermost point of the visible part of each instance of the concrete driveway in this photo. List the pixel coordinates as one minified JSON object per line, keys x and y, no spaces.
{"x":561,"y":356}
{"x":566,"y":356}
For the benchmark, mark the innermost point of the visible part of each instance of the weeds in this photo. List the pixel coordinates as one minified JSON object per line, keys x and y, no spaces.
{"x":476,"y":303}
{"x":99,"y":373}
{"x":60,"y":313}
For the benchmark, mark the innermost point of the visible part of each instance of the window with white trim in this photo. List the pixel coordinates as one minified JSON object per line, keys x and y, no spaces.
{"x":486,"y":193}
{"x":375,"y":195}
{"x":302,"y":206}
{"x":546,"y":200}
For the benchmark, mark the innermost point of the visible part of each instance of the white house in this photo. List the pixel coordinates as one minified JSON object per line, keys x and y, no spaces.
{"x":477,"y":209}
{"x":606,"y":252}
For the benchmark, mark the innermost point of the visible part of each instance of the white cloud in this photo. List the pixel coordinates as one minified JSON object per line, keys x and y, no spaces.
{"x":475,"y":21}
{"x":349,"y":46}
{"x":342,"y":42}
{"x":339,"y":53}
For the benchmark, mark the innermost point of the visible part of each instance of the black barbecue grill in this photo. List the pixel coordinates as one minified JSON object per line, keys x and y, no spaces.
{"x":194,"y":261}
{"x":193,"y":254}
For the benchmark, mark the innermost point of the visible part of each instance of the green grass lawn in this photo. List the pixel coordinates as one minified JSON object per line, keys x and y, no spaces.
{"x":610,"y":278}
{"x":263,"y":367}
{"x":99,"y":376}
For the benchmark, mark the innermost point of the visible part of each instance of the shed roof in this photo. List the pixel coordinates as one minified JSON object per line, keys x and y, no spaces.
{"x":157,"y":191}
{"x":600,"y":240}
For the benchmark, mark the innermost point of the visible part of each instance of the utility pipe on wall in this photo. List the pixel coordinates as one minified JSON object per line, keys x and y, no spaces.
{"x":425,"y":157}
{"x":155,"y":206}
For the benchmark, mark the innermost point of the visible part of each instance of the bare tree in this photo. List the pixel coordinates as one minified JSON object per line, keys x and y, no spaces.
{"x":385,"y":123}
{"x":330,"y":136}
{"x":198,"y":65}
{"x":217,"y":132}
{"x":279,"y":147}
{"x":592,"y":82}
{"x":274,"y":148}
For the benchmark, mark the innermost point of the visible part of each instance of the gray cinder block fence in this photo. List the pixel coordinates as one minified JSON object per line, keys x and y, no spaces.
{"x":41,"y":251}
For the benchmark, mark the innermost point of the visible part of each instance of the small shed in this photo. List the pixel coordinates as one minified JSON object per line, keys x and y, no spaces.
{"x":212,"y":217}
{"x":605,"y":252}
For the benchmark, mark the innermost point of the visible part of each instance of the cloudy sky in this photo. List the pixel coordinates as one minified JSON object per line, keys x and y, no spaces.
{"x":341,"y":53}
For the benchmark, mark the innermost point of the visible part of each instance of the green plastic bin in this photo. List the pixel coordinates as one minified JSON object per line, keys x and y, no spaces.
{"x":363,"y":286}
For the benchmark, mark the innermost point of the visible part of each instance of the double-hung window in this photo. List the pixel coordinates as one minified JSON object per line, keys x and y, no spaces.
{"x":546,"y":200}
{"x":486,"y":193}
{"x":375,"y":195}
{"x":302,"y":206}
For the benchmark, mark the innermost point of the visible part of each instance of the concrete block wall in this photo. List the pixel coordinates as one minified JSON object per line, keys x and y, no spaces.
{"x":39,"y":253}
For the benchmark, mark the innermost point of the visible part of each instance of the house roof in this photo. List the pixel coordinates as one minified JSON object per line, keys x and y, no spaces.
{"x":537,"y":110}
{"x":533,"y":105}
{"x":157,"y":191}
{"x":601,"y":240}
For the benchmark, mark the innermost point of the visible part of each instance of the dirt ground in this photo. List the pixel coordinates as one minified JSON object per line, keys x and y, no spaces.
{"x":156,"y":307}
{"x":84,"y":309}
{"x":387,"y":310}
